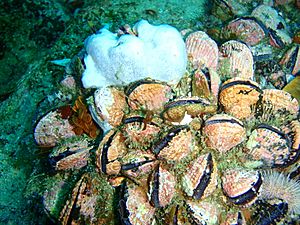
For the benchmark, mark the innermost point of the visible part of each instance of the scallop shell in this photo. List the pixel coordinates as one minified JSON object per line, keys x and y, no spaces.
{"x":280,"y":104}
{"x":241,"y":186}
{"x":239,"y":97}
{"x":110,"y":105}
{"x":135,"y":207}
{"x":202,"y":50}
{"x":72,"y":154}
{"x":162,"y":187}
{"x":52,"y":128}
{"x":270,"y":145}
{"x":111,"y":148}
{"x":139,"y":132}
{"x":247,"y":30}
{"x":176,"y":145}
{"x":176,"y":110}
{"x":200,"y":179}
{"x":148,"y":95}
{"x":223,"y":132}
{"x":203,"y":212}
{"x":206,"y":84}
{"x":236,"y":60}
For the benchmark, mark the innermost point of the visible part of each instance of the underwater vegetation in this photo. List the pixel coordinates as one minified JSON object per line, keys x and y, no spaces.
{"x":150,"y":142}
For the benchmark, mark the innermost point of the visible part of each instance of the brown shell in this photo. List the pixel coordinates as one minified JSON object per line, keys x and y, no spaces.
{"x":270,"y":145}
{"x":139,"y":132}
{"x":110,"y":105}
{"x":111,"y":148}
{"x":280,"y":104}
{"x":202,"y":50}
{"x":200,"y":179}
{"x":148,"y":95}
{"x":292,"y":130}
{"x":291,"y":60}
{"x":237,"y":60}
{"x":136,"y":206}
{"x":223,"y":132}
{"x":176,"y":110}
{"x":72,"y":154}
{"x":206,"y":84}
{"x":52,"y":128}
{"x":176,"y":145}
{"x":239,"y":97}
{"x":247,"y":30}
{"x":162,"y":187}
{"x":241,"y":186}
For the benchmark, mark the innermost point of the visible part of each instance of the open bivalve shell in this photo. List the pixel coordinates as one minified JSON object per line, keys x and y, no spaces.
{"x":148,"y":95}
{"x":200,"y":179}
{"x":223,"y":132}
{"x":241,"y":186}
{"x":239,"y":97}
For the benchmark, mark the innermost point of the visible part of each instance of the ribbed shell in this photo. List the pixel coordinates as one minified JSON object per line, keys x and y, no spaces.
{"x":237,"y":58}
{"x":202,"y":50}
{"x":223,"y":132}
{"x":239,"y":97}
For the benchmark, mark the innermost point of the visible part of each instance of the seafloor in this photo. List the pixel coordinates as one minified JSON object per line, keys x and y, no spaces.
{"x":35,"y":32}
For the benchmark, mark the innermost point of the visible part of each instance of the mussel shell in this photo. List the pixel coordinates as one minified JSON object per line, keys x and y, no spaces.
{"x":161,"y":187}
{"x":272,"y":146}
{"x":200,"y":179}
{"x":148,"y":95}
{"x":291,"y":60}
{"x":223,"y":132}
{"x":52,"y":128}
{"x":241,"y":186}
{"x":240,"y":97}
{"x":234,"y":219}
{"x":175,"y":145}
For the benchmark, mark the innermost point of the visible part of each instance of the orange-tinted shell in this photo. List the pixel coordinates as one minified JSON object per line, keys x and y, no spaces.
{"x":200,"y":179}
{"x":245,"y":29}
{"x":293,"y":132}
{"x":239,"y":97}
{"x":291,"y":60}
{"x":51,"y":129}
{"x":202,"y":50}
{"x":111,"y":148}
{"x":281,"y":103}
{"x":176,"y":110}
{"x":176,"y":145}
{"x":270,"y":145}
{"x":148,"y":95}
{"x":162,"y":187}
{"x":223,"y":132}
{"x":238,"y":183}
{"x":206,"y":84}
{"x":204,"y":212}
{"x":71,"y":154}
{"x":138,"y":206}
{"x":110,"y":105}
{"x":237,"y":58}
